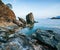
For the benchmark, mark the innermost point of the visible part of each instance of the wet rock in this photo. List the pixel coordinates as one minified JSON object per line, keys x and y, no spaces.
{"x":58,"y":46}
{"x":17,"y":41}
{"x":16,"y":44}
{"x":30,"y":18}
{"x":57,"y":36}
{"x":3,"y":35}
{"x":5,"y":32}
{"x":38,"y":47}
{"x":46,"y":38}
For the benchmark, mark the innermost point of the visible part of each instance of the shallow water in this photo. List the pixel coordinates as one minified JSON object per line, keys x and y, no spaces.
{"x":44,"y":24}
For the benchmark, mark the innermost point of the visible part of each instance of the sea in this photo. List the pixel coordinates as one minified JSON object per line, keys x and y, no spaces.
{"x":43,"y":24}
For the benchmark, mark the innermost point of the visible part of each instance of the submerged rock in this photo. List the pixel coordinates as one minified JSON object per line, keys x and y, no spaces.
{"x":30,"y":18}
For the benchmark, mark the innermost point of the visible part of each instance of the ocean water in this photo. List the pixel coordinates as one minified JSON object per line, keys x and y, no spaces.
{"x":44,"y":24}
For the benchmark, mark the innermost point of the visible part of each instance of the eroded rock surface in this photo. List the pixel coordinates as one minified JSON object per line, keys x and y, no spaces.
{"x":48,"y":38}
{"x":30,"y":18}
{"x":6,"y":14}
{"x":15,"y":41}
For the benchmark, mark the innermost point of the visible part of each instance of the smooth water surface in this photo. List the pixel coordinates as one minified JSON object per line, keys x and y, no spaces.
{"x":44,"y":24}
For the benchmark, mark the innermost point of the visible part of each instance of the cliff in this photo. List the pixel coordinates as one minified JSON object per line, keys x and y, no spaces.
{"x":6,"y":14}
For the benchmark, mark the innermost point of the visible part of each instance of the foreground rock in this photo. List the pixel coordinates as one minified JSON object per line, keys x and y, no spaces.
{"x":30,"y":18}
{"x":15,"y":41}
{"x":40,"y":40}
{"x":47,"y":38}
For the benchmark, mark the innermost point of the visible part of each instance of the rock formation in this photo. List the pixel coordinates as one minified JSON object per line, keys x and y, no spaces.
{"x":30,"y":18}
{"x":15,"y":41}
{"x":6,"y":14}
{"x":22,"y":20}
{"x":48,"y":38}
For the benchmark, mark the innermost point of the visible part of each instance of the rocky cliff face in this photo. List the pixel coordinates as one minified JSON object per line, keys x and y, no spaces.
{"x":6,"y":14}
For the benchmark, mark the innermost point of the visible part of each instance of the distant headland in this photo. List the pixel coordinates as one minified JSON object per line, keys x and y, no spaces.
{"x":57,"y":17}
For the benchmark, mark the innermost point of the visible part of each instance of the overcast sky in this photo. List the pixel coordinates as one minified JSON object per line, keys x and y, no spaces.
{"x":40,"y":8}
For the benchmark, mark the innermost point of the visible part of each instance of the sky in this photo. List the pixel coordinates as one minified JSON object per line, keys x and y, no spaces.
{"x":39,"y":8}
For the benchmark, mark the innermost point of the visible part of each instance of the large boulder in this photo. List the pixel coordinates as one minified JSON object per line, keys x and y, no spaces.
{"x":6,"y":14}
{"x":30,"y":18}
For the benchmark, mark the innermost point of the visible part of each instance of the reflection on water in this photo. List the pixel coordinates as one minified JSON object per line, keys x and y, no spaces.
{"x":31,"y":26}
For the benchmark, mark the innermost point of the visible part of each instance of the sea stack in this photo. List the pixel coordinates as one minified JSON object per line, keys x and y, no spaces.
{"x":30,"y":18}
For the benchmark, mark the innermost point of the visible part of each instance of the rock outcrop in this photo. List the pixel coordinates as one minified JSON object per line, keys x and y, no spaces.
{"x":15,"y":41}
{"x":23,"y":21}
{"x":48,"y":38}
{"x":30,"y":18}
{"x":6,"y":14}
{"x":19,"y":23}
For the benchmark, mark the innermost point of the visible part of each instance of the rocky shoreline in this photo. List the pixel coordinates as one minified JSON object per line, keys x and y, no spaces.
{"x":12,"y":39}
{"x":39,"y":40}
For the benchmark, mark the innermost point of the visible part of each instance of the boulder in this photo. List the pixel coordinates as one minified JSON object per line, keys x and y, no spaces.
{"x":6,"y":14}
{"x":30,"y":18}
